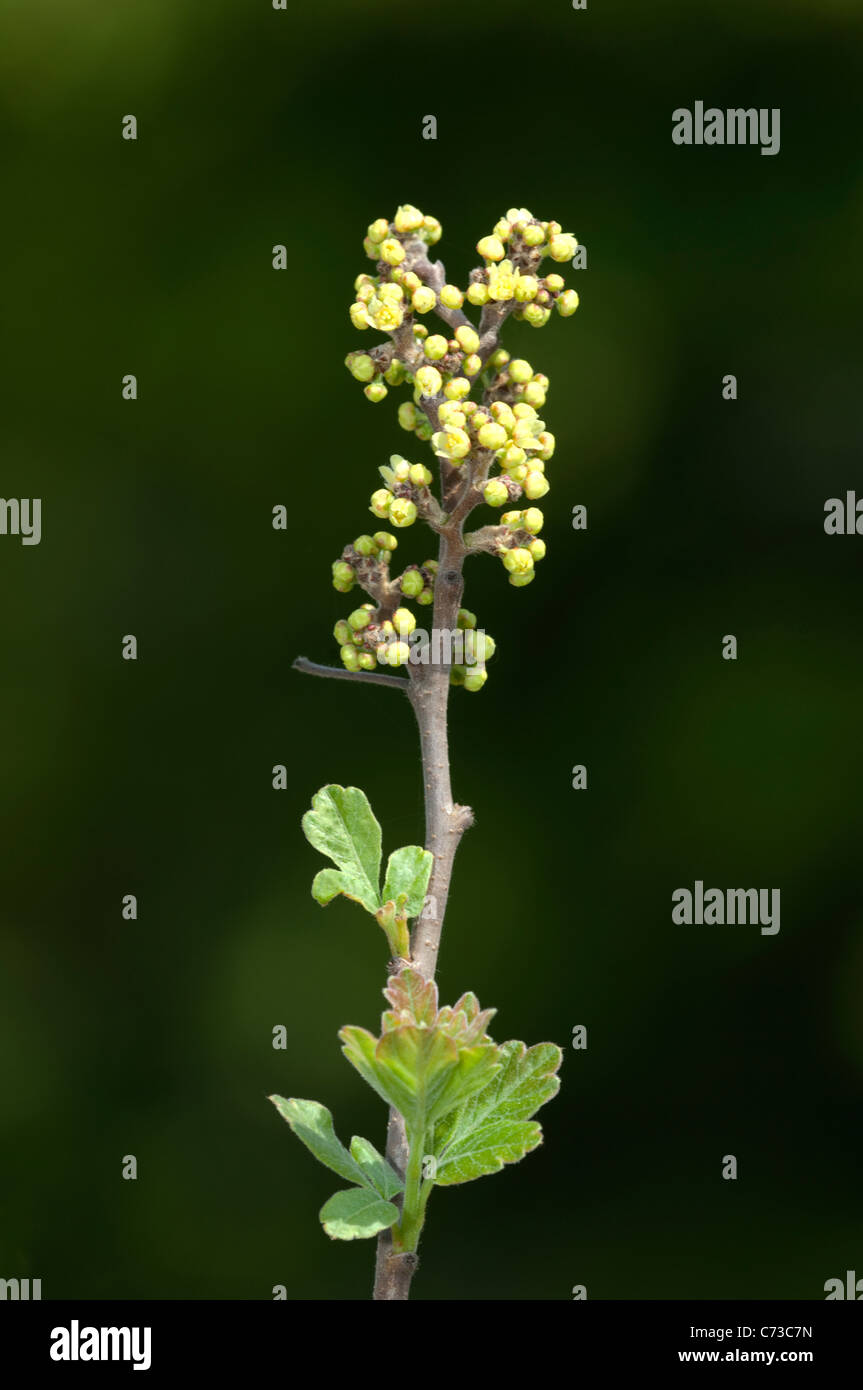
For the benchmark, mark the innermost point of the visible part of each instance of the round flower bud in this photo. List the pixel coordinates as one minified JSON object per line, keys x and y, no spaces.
{"x":511,"y":519}
{"x":476,"y":678}
{"x":375,"y":392}
{"x":343,"y":632}
{"x":486,"y":647}
{"x":472,"y":364}
{"x":432,"y":230}
{"x":426,"y":597}
{"x":512,"y":457}
{"x":380,"y":502}
{"x":408,"y":218}
{"x":404,"y":622}
{"x":412,"y":583}
{"x":520,"y":370}
{"x":465,"y":619}
{"x":467,"y":338}
{"x":502,"y":229}
{"x":495,"y":492}
{"x":395,"y":373}
{"x":401,"y":468}
{"x":398,"y":654}
{"x":525,"y":289}
{"x":407,"y":415}
{"x":518,"y":473}
{"x":402,"y":512}
{"x":457,"y":675}
{"x":429,"y":381}
{"x":350,"y":658}
{"x":534,"y":394}
{"x":518,"y":581}
{"x":436,"y":347}
{"x":393,"y":252}
{"x":562,"y":247}
{"x":451,"y":297}
{"x":419,"y":475}
{"x":532,"y":518}
{"x":359,"y":317}
{"x":424,"y":431}
{"x":537,"y":549}
{"x":536,"y":485}
{"x":499,"y":358}
{"x":384,"y":540}
{"x":491,"y":248}
{"x":423,"y":299}
{"x":535,"y":315}
{"x":533,"y":236}
{"x":360,"y":618}
{"x":477,"y":293}
{"x":379,"y":229}
{"x":451,"y":414}
{"x":522,"y":411}
{"x":366,"y":661}
{"x":547,"y":441}
{"x":502,"y":412}
{"x":409,"y":279}
{"x":555,"y":283}
{"x":360,"y":366}
{"x":518,"y":560}
{"x":343,"y":574}
{"x":457,"y":389}
{"x":365,"y":545}
{"x":567,"y":304}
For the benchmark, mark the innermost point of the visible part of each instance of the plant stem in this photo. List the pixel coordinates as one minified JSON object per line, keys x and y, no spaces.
{"x":407,"y":1232}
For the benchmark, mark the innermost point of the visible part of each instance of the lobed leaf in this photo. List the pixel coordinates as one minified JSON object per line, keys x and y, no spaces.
{"x":486,"y":1149}
{"x":357,"y":1214}
{"x":342,"y":826}
{"x":408,"y":873}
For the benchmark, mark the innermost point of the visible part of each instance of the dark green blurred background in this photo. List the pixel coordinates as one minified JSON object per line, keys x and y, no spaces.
{"x":258,"y":127}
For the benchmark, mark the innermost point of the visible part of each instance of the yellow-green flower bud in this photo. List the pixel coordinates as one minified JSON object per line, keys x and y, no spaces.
{"x":400,"y":468}
{"x":359,"y":317}
{"x":407,"y":415}
{"x":535,"y":485}
{"x":391,"y":292}
{"x":465,"y":619}
{"x":534,"y":394}
{"x":525,"y":289}
{"x":366,"y":661}
{"x":518,"y":473}
{"x":451,"y":297}
{"x":477,"y":293}
{"x":366,"y":292}
{"x":502,"y":413}
{"x":385,"y":540}
{"x":426,"y":597}
{"x":491,"y":248}
{"x":365,"y":545}
{"x":518,"y":560}
{"x":404,"y":622}
{"x":520,"y":370}
{"x":547,"y":441}
{"x":409,"y":279}
{"x":360,"y":618}
{"x":475,"y":678}
{"x":518,"y":581}
{"x":402,"y":512}
{"x":343,"y":576}
{"x":350,"y":658}
{"x":532,"y":518}
{"x":522,"y":411}
{"x":502,"y":229}
{"x":343,"y":632}
{"x":537,"y":549}
{"x":393,"y":252}
{"x":380,"y":503}
{"x":555,"y":283}
{"x":412,"y":583}
{"x":451,"y":413}
{"x":567,"y":304}
{"x":379,"y":229}
{"x":375,"y":392}
{"x":562,"y":247}
{"x":512,"y":457}
{"x":408,"y":218}
{"x":495,"y":492}
{"x":398,"y":654}
{"x":472,"y":364}
{"x":395,"y":373}
{"x":511,"y":519}
{"x":428,"y":381}
{"x":432,"y":230}
{"x":452,"y":443}
{"x":419,"y":475}
{"x":535,"y":315}
{"x":436,"y":347}
{"x":457,"y":388}
{"x":499,"y":358}
{"x":467,"y":338}
{"x":360,"y":366}
{"x":423,"y":299}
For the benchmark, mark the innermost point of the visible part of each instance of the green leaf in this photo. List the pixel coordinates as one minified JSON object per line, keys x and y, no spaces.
{"x":490,"y":1130}
{"x":357,"y":1214}
{"x":408,"y":872}
{"x":379,"y":1173}
{"x":313,"y":1125}
{"x":342,"y":826}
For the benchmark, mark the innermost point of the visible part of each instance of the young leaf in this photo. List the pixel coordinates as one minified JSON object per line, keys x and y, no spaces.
{"x":491,"y":1126}
{"x":378,"y":1172}
{"x":408,"y":872}
{"x":357,"y":1214}
{"x":342,"y":826}
{"x":313,"y":1125}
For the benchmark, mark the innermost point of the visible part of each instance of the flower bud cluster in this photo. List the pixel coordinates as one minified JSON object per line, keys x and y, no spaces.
{"x":512,"y":254}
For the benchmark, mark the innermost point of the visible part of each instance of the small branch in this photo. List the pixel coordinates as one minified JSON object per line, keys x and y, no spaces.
{"x":311,"y":668}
